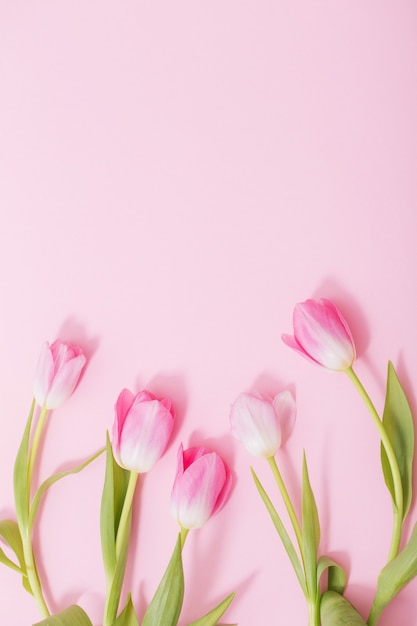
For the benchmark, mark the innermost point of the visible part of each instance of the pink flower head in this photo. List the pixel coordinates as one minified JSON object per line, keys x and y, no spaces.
{"x":261,"y":424}
{"x":57,"y":374}
{"x":201,"y":486}
{"x":322,"y":335}
{"x":141,"y":430}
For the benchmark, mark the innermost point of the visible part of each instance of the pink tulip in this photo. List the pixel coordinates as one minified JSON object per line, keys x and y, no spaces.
{"x":322,"y":335}
{"x":59,"y":369}
{"x":261,"y":424}
{"x":141,"y":430}
{"x":201,"y":486}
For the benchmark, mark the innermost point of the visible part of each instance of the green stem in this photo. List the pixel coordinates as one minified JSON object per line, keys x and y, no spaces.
{"x":373,"y":616}
{"x":287,"y":501}
{"x":398,"y":501}
{"x":314,"y":612}
{"x":124,"y":517}
{"x":36,"y":440}
{"x":25,"y":527}
{"x":115,"y":579}
{"x":184,"y":533}
{"x":32,"y":574}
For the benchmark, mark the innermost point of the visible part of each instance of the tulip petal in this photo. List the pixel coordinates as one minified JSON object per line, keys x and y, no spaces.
{"x":285,"y":408}
{"x":145,"y":435}
{"x":123,"y":404}
{"x":65,"y":381}
{"x":44,"y":374}
{"x":255,"y":422}
{"x":323,"y":333}
{"x":199,"y":489}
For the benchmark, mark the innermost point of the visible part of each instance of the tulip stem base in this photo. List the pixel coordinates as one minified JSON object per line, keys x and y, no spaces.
{"x":398,"y":502}
{"x":313,"y":613}
{"x":32,"y":574}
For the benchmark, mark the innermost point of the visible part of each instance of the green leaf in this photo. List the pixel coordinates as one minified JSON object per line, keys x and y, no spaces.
{"x":287,"y":543}
{"x":114,"y":492}
{"x":210,"y":619}
{"x":9,"y":531}
{"x":53,"y":479}
{"x":165,"y":606}
{"x":72,"y":616}
{"x":398,"y":422}
{"x":20,"y":477}
{"x":116,"y":583}
{"x":128,"y":616}
{"x":395,"y":575}
{"x":335,"y":610}
{"x":311,"y":532}
{"x":336,"y":574}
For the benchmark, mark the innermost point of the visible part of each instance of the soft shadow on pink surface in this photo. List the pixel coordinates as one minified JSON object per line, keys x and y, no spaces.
{"x":172,"y":386}
{"x":74,"y":331}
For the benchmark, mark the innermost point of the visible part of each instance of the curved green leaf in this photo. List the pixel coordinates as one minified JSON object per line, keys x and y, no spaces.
{"x":114,"y":492}
{"x":394,"y":576}
{"x":165,"y":606}
{"x":115,"y":586}
{"x":210,"y":619}
{"x":72,"y":616}
{"x":311,"y":532}
{"x":335,"y":610}
{"x":53,"y":479}
{"x":128,"y":616}
{"x":280,"y":528}
{"x":398,"y":423}
{"x":336,"y":580}
{"x":20,"y":476}
{"x":9,"y":531}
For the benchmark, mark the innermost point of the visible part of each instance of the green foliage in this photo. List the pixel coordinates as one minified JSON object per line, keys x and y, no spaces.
{"x":20,"y":477}
{"x":72,"y":616}
{"x":394,"y":576}
{"x":335,"y":610}
{"x":128,"y":616}
{"x":336,"y":580}
{"x":311,"y":532}
{"x":282,"y":533}
{"x":53,"y":479}
{"x":398,"y":423}
{"x":165,"y":606}
{"x":10,"y":533}
{"x":210,"y":619}
{"x":114,"y":492}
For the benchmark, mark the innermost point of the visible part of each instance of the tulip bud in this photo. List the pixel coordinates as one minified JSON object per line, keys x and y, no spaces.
{"x":322,"y":335}
{"x":201,"y":486}
{"x":141,"y":430}
{"x":57,"y":374}
{"x":259,"y":423}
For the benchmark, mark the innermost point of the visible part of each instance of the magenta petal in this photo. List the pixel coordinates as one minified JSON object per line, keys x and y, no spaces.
{"x":142,"y":433}
{"x":201,"y":485}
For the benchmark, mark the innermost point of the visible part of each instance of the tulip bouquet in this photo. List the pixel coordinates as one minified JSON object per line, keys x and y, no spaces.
{"x":322,"y":336}
{"x":141,"y":431}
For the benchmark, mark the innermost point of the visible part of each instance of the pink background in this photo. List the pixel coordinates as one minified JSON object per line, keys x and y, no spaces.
{"x":174,"y":177}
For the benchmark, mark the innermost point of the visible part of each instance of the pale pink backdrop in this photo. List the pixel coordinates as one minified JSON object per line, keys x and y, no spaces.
{"x":174,"y":177}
